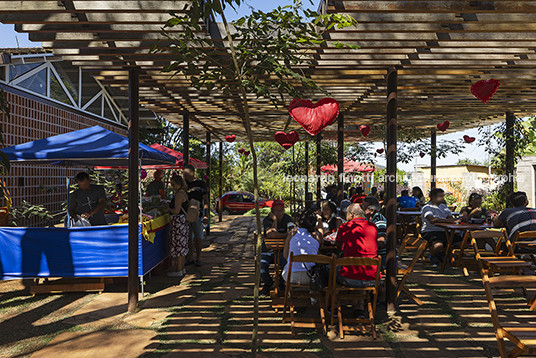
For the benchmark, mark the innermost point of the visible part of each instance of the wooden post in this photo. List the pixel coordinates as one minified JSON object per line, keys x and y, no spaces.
{"x":390,"y":191}
{"x":433,"y":159}
{"x":306,"y":202}
{"x":220,"y":181}
{"x":186,"y":138}
{"x":340,"y":157}
{"x":133,"y":173}
{"x":510,"y":122}
{"x":318,"y":163}
{"x":207,"y":229}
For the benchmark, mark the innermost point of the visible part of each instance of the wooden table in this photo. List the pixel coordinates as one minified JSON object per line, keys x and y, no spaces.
{"x":450,"y":229}
{"x":405,"y":221}
{"x":277,"y":245}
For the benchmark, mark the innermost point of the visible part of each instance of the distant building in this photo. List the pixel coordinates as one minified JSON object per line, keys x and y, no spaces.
{"x":47,"y":97}
{"x":457,"y":179}
{"x":526,"y":177}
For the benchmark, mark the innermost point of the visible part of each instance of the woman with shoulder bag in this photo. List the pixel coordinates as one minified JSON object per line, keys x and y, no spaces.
{"x":178,"y":230}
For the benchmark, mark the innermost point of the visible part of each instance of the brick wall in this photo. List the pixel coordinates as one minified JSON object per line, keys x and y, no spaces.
{"x":32,"y":120}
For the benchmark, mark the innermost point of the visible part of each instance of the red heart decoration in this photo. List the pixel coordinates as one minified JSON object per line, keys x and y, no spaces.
{"x":241,"y":150}
{"x":375,"y":155}
{"x":230,"y":138}
{"x":484,"y":90}
{"x":365,"y":130}
{"x":246,"y":153}
{"x":468,"y":139}
{"x":286,"y":140}
{"x":314,"y":117}
{"x":379,"y":150}
{"x":422,"y":154}
{"x":443,"y":126}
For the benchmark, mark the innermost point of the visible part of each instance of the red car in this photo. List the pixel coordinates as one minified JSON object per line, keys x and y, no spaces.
{"x":238,"y":202}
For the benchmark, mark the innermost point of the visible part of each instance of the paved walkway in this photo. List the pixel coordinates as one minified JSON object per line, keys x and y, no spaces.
{"x":209,"y":313}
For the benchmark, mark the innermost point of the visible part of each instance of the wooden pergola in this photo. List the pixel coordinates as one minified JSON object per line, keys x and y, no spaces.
{"x":415,"y":66}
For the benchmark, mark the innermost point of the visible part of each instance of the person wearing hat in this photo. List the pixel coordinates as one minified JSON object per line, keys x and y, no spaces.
{"x":156,"y":187}
{"x":276,"y":226}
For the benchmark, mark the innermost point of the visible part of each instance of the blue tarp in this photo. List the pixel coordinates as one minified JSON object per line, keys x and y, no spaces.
{"x":100,"y":251}
{"x":94,"y":146}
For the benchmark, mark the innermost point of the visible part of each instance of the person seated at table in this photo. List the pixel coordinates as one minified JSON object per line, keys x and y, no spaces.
{"x":372,"y":207}
{"x":276,"y":226}
{"x":374,"y":193}
{"x":474,"y":209}
{"x":417,"y":193}
{"x":435,"y":212}
{"x":156,"y":187}
{"x":359,"y":195}
{"x":343,"y":207}
{"x":332,"y":193}
{"x":405,"y":201}
{"x":357,"y":238}
{"x":329,"y":218}
{"x":351,"y":193}
{"x":518,"y":218}
{"x":88,"y":201}
{"x":305,"y":240}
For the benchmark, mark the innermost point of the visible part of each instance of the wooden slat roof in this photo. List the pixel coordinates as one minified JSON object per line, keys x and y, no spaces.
{"x":439,"y":47}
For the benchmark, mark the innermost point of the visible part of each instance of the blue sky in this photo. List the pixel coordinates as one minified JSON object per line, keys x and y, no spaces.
{"x":473,"y":151}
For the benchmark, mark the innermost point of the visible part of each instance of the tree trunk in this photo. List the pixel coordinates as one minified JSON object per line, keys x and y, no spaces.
{"x":258,"y":246}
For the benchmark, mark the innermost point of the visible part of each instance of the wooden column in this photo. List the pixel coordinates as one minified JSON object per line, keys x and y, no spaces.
{"x":186,"y":138}
{"x":318,"y":163}
{"x":390,"y":191}
{"x":433,"y":159}
{"x":340,"y":157}
{"x":306,"y":202}
{"x":510,"y":121}
{"x":207,"y":229}
{"x":220,"y":182}
{"x":133,"y":182}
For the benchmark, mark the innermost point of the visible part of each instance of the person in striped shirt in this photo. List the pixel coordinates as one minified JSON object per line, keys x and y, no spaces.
{"x":519,"y":217}
{"x":372,"y":207}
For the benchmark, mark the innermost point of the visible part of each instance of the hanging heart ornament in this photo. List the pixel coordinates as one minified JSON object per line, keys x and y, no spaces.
{"x":314,"y":117}
{"x":379,"y":150}
{"x":365,"y":130}
{"x":468,"y":139}
{"x":443,"y":126}
{"x":286,"y":140}
{"x":484,"y":90}
{"x":230,"y":138}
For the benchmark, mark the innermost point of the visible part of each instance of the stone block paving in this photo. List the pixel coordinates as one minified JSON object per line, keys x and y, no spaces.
{"x":209,"y":313}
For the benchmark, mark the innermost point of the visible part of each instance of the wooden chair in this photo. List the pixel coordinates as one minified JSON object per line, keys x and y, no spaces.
{"x":523,"y":336}
{"x":405,"y":271}
{"x":340,"y":293}
{"x":492,"y":261}
{"x":296,"y":291}
{"x":517,"y":241}
{"x":413,"y":242}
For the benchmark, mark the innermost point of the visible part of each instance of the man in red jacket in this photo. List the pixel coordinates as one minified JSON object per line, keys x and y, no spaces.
{"x":358,"y":238}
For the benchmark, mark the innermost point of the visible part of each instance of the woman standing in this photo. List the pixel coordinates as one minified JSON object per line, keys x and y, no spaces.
{"x":179,"y":234}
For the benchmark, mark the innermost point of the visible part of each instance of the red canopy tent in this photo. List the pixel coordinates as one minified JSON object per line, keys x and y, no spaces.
{"x":198,"y":164}
{"x":350,"y":166}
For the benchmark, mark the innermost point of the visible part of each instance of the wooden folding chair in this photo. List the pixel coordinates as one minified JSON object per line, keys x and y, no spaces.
{"x":340,"y":293}
{"x":296,"y":291}
{"x":492,"y":261}
{"x":518,"y":242}
{"x":523,"y":336}
{"x":405,"y":271}
{"x":413,"y":242}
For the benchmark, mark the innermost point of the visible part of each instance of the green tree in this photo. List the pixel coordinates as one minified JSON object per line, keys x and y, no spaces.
{"x":468,"y":161}
{"x":262,"y":56}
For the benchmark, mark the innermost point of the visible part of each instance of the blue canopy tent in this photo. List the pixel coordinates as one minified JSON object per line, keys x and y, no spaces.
{"x":78,"y":252}
{"x":94,"y":146}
